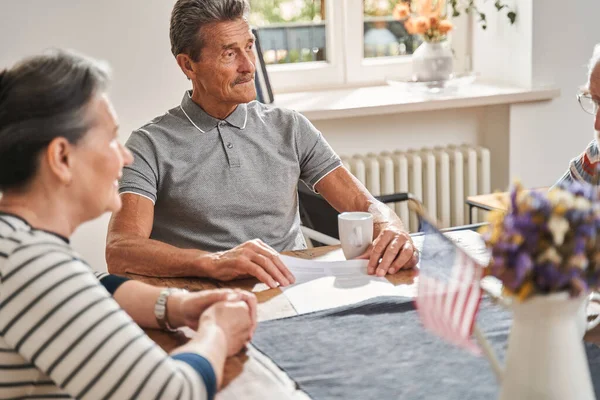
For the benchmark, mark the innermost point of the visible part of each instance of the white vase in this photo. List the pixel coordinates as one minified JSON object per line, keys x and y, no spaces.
{"x":546,"y":357}
{"x":433,"y":62}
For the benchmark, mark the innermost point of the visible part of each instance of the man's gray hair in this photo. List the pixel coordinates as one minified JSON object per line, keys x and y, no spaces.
{"x":594,"y":60}
{"x":189,"y":16}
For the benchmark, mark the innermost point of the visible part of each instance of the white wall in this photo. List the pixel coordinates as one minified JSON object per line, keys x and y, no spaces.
{"x":405,"y":131}
{"x":543,"y":136}
{"x":133,"y":36}
{"x":546,"y":136}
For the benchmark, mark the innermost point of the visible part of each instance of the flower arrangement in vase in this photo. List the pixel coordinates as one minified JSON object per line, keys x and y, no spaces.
{"x":434,"y":60}
{"x":427,"y":18}
{"x":548,"y":242}
{"x":546,"y":252}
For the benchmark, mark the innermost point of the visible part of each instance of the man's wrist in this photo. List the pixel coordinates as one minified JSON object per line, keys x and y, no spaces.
{"x":379,"y":226}
{"x":204,"y":264}
{"x":395,"y":225}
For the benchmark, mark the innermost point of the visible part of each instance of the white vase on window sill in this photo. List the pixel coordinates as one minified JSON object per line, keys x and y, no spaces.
{"x":433,"y":61}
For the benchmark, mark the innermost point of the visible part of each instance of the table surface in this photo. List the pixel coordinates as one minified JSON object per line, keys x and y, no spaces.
{"x":272,"y":305}
{"x":494,"y":201}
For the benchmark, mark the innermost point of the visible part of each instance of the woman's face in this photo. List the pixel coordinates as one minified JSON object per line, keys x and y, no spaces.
{"x":99,"y":160}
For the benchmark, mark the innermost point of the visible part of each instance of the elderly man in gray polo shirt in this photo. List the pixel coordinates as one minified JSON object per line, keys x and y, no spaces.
{"x":212,"y":190}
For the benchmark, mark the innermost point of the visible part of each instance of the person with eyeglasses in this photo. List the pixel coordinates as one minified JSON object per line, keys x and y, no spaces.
{"x":585,"y":167}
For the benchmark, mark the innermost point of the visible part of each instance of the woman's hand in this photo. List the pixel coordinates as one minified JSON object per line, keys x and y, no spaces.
{"x":186,"y":309}
{"x":233,"y":319}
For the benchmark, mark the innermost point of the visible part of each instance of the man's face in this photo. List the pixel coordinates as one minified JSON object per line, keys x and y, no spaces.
{"x":594,"y":89}
{"x":225,"y":69}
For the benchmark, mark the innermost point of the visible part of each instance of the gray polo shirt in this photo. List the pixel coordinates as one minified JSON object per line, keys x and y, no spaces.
{"x":216,"y":184}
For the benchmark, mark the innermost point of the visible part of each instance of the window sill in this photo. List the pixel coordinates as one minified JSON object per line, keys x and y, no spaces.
{"x":382,"y":100}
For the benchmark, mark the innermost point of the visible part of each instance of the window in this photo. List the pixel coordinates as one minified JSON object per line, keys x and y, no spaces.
{"x":316,"y":44}
{"x":384,"y":36}
{"x":290,"y":31}
{"x":299,"y":39}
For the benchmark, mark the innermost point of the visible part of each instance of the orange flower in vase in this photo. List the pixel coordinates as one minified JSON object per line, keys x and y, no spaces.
{"x":445,"y":26}
{"x":422,"y":25}
{"x":434,"y":22}
{"x":410,"y":27}
{"x":401,"y":11}
{"x":424,"y":17}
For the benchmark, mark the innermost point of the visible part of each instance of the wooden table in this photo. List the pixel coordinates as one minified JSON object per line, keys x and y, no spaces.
{"x":493,"y":201}
{"x":272,"y":304}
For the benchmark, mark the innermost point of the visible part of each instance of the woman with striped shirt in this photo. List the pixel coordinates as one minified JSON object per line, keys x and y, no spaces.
{"x":65,"y":331}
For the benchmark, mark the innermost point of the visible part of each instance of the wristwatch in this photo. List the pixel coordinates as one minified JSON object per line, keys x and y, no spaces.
{"x":160,"y":308}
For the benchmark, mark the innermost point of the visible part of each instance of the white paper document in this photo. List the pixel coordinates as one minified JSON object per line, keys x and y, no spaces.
{"x":331,"y":281}
{"x":322,"y":285}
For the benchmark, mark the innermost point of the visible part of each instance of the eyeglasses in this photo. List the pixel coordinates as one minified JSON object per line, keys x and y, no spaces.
{"x":587,"y":103}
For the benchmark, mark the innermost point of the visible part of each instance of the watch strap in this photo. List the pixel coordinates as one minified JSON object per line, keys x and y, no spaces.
{"x":160,"y":309}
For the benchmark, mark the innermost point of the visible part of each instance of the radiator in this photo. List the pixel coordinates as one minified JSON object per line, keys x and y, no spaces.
{"x":441,"y":177}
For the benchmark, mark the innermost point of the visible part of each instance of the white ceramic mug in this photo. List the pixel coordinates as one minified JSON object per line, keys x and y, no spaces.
{"x":583,"y":318}
{"x":356,"y":233}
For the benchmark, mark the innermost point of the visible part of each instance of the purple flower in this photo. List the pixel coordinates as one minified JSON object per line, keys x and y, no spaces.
{"x":523,"y":264}
{"x":579,"y":245}
{"x":513,"y":199}
{"x":548,"y":277}
{"x":583,"y":189}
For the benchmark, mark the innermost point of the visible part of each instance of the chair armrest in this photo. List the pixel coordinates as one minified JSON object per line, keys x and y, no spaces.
{"x":318,"y":236}
{"x":395,"y":197}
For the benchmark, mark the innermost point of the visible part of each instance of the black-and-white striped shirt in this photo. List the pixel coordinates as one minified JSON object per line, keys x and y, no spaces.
{"x":63,"y":336}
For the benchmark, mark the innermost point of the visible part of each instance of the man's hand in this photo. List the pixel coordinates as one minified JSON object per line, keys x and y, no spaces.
{"x":392,"y":245}
{"x":185,"y":309}
{"x":395,"y":248}
{"x":253,"y":258}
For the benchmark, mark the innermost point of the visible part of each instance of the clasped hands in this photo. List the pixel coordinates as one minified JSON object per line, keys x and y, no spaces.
{"x":232,"y":311}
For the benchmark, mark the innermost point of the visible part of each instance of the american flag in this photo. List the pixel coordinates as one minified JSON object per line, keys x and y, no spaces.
{"x":449,"y":291}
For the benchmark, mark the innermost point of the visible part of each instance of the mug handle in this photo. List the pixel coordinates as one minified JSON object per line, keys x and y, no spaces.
{"x":595,"y":296}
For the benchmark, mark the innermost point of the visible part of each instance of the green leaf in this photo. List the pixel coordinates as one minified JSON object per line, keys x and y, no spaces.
{"x":499,"y":5}
{"x":484,"y":27}
{"x":455,"y":13}
{"x":512,"y":16}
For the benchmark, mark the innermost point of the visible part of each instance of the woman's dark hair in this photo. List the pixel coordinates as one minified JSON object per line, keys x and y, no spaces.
{"x":42,"y":98}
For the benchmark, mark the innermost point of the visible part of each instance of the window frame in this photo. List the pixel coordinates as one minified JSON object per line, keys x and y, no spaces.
{"x":312,"y":75}
{"x":346,"y":65}
{"x":364,"y":71}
